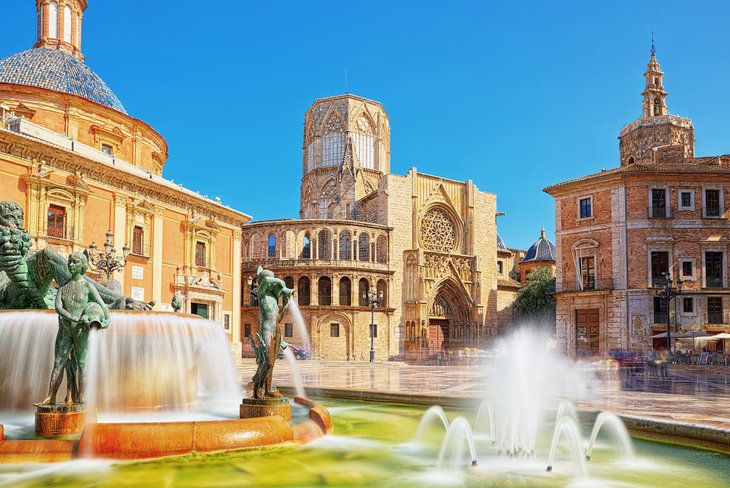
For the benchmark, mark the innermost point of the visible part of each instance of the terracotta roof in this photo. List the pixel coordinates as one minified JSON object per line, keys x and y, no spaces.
{"x":708,"y":164}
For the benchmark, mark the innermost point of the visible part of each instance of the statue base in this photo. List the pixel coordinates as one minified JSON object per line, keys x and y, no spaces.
{"x":59,"y":419}
{"x":268,"y":407}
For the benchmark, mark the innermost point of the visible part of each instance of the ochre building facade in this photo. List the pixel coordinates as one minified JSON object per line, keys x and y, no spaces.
{"x":79,"y":165}
{"x":621,"y":233}
{"x":425,"y":245}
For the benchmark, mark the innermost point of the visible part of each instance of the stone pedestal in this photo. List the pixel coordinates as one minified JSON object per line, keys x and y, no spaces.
{"x":61,"y":419}
{"x":253,"y":407}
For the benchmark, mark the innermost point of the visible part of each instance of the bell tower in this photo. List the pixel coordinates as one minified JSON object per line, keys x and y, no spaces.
{"x":654,"y":95}
{"x":59,"y":25}
{"x":657,"y":137}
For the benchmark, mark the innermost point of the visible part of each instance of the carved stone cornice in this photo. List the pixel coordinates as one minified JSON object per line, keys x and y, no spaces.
{"x":28,"y":148}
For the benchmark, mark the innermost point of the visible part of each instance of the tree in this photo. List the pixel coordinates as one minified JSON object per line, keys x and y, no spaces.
{"x":535,"y":302}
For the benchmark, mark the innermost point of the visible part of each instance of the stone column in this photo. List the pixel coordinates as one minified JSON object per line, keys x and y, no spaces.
{"x":157,"y":231}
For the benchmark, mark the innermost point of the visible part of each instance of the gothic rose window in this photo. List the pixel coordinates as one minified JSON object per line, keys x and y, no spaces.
{"x":438,"y":232}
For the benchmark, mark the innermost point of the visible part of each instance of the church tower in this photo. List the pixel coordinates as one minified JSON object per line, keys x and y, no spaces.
{"x":59,"y":25}
{"x":656,"y":137}
{"x":346,"y":151}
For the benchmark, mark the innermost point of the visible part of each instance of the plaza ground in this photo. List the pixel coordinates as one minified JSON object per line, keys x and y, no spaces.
{"x":696,"y":395}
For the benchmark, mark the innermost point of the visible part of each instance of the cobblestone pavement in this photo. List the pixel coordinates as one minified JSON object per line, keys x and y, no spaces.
{"x":691,"y":394}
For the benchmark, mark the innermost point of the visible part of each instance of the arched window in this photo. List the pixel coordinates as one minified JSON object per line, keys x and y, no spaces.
{"x":325,"y":291}
{"x":255,"y":252}
{"x":382,"y":249}
{"x":271,"y":246}
{"x":345,"y":292}
{"x":303,"y":297}
{"x":67,"y":24}
{"x":382,"y":294}
{"x":306,"y":248}
{"x":364,"y":142}
{"x":53,"y":20}
{"x":289,"y":282}
{"x":363,"y":288}
{"x":326,"y":197}
{"x":324,"y":246}
{"x":333,"y":141}
{"x":345,"y":245}
{"x":363,"y":244}
{"x":657,"y":107}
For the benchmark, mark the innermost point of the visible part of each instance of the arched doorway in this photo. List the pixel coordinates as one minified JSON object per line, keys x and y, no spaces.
{"x":449,"y":318}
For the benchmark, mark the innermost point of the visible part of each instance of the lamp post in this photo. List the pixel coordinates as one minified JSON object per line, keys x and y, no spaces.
{"x":666,"y":293}
{"x":107,"y":262}
{"x":373,"y":298}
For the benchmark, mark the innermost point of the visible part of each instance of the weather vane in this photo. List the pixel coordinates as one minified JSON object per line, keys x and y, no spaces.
{"x":653,"y":49}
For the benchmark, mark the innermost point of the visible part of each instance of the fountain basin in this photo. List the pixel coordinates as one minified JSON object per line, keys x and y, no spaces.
{"x":146,"y":440}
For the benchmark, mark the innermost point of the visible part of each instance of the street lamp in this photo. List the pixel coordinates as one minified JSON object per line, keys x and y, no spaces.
{"x":666,"y":293}
{"x":372,"y":298}
{"x":107,"y":262}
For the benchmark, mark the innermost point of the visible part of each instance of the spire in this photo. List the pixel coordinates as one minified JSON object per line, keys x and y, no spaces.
{"x":542,"y":233}
{"x":59,"y":25}
{"x":654,"y":95}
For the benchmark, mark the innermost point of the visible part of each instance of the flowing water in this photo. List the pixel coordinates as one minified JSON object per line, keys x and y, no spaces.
{"x":302,"y":331}
{"x":144,"y":361}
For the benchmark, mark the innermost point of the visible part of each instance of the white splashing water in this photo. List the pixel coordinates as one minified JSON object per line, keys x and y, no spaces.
{"x":296,"y":377}
{"x":301,"y":327}
{"x":144,"y":361}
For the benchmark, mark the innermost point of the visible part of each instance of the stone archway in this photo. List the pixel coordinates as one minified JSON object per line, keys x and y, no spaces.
{"x":449,"y":318}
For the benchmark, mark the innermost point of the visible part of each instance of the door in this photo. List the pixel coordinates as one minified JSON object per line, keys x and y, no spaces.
{"x":587,"y":331}
{"x":438,"y":334}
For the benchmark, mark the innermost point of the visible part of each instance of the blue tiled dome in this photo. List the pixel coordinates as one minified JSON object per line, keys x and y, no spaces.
{"x":541,"y":250}
{"x":58,"y":71}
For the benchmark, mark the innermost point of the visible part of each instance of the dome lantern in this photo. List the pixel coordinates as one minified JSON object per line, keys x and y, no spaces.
{"x":59,"y":25}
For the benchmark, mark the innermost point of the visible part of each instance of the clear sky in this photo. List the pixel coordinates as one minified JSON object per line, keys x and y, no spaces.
{"x":512,"y":95}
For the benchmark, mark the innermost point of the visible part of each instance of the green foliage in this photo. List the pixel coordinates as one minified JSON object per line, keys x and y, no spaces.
{"x":535,"y":302}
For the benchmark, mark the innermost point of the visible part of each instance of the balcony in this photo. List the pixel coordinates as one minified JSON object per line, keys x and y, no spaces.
{"x":712,"y":213}
{"x":273,"y":263}
{"x":579,"y":286}
{"x":714,"y":282}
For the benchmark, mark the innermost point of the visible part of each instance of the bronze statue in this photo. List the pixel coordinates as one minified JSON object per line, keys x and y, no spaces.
{"x":79,"y":307}
{"x":25,"y":278}
{"x":268,"y":290}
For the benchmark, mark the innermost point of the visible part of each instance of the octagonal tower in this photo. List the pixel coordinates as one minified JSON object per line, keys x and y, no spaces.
{"x":346,"y":151}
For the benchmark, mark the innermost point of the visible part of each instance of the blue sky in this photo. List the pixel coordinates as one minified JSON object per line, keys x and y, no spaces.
{"x":512,"y":95}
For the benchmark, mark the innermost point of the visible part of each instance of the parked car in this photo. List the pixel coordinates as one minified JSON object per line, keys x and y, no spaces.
{"x":299,"y":352}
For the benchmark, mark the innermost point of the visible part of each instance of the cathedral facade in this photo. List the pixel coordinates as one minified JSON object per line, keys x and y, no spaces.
{"x":415,"y":255}
{"x":79,"y":165}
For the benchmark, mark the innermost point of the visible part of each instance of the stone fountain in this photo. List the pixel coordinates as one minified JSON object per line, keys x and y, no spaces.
{"x":127,"y":369}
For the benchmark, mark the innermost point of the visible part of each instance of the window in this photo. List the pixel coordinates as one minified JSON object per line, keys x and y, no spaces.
{"x":713,"y":269}
{"x":200,"y":254}
{"x":271,"y":247}
{"x":345,"y":245}
{"x":333,"y":148}
{"x":303,"y":297}
{"x":659,"y":267}
{"x":585,"y":207}
{"x":712,"y":203}
{"x":500,"y":267}
{"x":137,"y":240}
{"x":306,"y":248}
{"x":374,"y":330}
{"x":657,"y":107}
{"x":382,"y":288}
{"x":325,"y":290}
{"x":588,"y":273}
{"x":227,"y":321}
{"x":686,"y":200}
{"x":107,"y":149}
{"x":53,"y":20}
{"x":658,"y":202}
{"x":200,"y":309}
{"x":363,"y":244}
{"x":288,"y":330}
{"x":714,"y":310}
{"x":345,"y":292}
{"x":660,"y":311}
{"x":289,"y":282}
{"x":365,"y":147}
{"x":246,"y":330}
{"x":363,"y":288}
{"x":67,"y":24}
{"x":688,"y":305}
{"x":688,"y":269}
{"x":57,"y":221}
{"x":334,"y":329}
